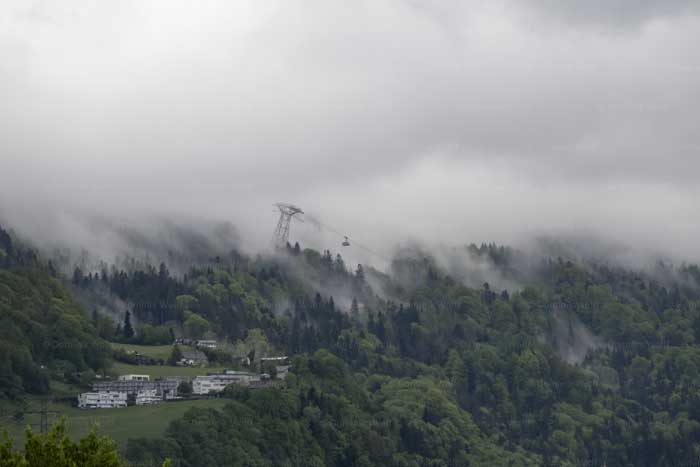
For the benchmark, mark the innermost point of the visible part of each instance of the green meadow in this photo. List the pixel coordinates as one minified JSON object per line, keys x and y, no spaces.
{"x":153,"y":351}
{"x":162,"y":370}
{"x":119,"y":424}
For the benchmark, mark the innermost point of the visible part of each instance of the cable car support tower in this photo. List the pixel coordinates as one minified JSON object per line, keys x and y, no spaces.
{"x":287,"y":213}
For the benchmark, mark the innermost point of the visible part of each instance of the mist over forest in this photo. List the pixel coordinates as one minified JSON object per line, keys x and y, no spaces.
{"x":351,"y":234}
{"x":435,"y":122}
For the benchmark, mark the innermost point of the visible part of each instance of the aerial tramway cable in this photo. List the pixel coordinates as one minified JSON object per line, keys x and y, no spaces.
{"x":348,"y":239}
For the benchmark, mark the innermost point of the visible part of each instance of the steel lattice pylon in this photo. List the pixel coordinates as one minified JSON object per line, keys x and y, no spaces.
{"x":287,"y":212}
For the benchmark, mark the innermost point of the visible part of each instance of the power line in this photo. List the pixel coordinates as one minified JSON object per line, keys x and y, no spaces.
{"x":289,"y":212}
{"x":354,"y":242}
{"x":44,"y":416}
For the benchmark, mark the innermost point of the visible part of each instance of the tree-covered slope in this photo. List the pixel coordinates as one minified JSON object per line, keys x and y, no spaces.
{"x":44,"y":333}
{"x":328,"y":415}
{"x":588,"y":364}
{"x":573,"y":363}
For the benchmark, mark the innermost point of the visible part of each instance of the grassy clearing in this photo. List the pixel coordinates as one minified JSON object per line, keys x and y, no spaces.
{"x":119,"y":424}
{"x":61,"y":389}
{"x":162,"y":370}
{"x":153,"y":351}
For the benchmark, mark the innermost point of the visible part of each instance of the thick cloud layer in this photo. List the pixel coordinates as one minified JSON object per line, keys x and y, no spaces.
{"x":622,"y":13}
{"x":442,"y":121}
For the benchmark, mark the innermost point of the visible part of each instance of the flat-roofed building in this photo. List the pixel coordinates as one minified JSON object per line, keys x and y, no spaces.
{"x":166,"y":385}
{"x":214,"y":383}
{"x":241,"y":377}
{"x":149,"y":396}
{"x":208,"y":344}
{"x":102,"y":400}
{"x":134,"y":378}
{"x":209,"y":385}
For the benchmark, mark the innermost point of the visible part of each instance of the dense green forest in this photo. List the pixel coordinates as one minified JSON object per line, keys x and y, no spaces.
{"x":45,"y":333}
{"x":584,"y":363}
{"x":444,"y":374}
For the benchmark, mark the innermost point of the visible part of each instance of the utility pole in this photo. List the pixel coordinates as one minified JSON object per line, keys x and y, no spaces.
{"x":287,"y":212}
{"x":44,"y":416}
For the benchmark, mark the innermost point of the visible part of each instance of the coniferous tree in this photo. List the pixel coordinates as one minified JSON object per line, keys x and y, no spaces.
{"x":128,"y":329}
{"x":78,"y":276}
{"x":175,"y":355}
{"x":354,"y":310}
{"x":360,"y":273}
{"x":339,"y":264}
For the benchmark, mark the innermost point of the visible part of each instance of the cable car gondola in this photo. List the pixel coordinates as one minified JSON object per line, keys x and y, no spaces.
{"x":346,"y":242}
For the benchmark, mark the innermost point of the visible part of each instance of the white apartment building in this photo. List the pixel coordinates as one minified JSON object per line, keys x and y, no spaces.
{"x":240,"y":377}
{"x":148,"y":396}
{"x":209,"y":344}
{"x":134,"y":378}
{"x":209,"y":384}
{"x":102,"y":400}
{"x":216,"y":383}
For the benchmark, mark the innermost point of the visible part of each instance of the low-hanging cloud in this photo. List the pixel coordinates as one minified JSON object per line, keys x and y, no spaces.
{"x":392,"y":121}
{"x":616,"y":14}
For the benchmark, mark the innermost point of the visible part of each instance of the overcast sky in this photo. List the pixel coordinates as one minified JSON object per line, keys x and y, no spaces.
{"x":392,"y":120}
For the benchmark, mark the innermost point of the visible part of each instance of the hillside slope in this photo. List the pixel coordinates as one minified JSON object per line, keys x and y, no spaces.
{"x":44,"y":333}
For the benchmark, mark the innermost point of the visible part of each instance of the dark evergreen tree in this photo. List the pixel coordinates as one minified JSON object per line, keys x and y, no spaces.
{"x":360,"y":273}
{"x":78,"y":277}
{"x":354,"y":310}
{"x":128,"y":329}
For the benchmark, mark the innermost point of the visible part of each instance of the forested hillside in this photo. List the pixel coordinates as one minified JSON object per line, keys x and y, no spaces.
{"x":44,"y":333}
{"x":581,"y":364}
{"x":448,"y":375}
